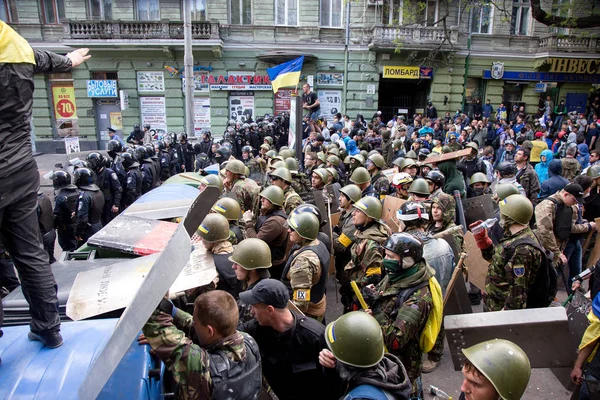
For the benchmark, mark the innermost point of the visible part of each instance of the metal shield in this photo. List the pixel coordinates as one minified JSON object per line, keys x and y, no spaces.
{"x":478,"y":208}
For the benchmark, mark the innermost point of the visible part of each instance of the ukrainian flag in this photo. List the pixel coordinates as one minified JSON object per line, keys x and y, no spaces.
{"x":286,"y":74}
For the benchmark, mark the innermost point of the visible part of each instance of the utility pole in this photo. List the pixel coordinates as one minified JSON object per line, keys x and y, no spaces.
{"x":188,"y":63}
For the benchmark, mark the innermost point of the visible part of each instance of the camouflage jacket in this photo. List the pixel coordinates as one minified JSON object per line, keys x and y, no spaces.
{"x":508,"y":280}
{"x":301,"y":183}
{"x":246,"y":191}
{"x":188,"y":362}
{"x":402,"y":327}
{"x":570,"y":168}
{"x":381,"y":184}
{"x":291,"y":200}
{"x":530,"y":182}
{"x":305,"y":272}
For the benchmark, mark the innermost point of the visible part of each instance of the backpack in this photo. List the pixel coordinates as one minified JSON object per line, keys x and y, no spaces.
{"x":542,"y":291}
{"x":563,"y":219}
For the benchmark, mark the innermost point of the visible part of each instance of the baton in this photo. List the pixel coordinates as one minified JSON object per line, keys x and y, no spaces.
{"x":460,"y":211}
{"x":359,"y":295}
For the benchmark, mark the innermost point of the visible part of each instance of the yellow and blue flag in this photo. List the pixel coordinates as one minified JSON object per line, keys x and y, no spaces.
{"x":286,"y":74}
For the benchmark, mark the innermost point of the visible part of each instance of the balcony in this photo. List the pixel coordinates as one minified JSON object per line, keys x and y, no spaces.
{"x":136,"y":30}
{"x":556,"y":42}
{"x":413,"y":37}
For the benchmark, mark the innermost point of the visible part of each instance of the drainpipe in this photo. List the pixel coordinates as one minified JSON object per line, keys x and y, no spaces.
{"x":346,"y":56}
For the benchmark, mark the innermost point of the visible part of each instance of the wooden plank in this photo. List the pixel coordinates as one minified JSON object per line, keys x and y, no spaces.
{"x":476,"y":265}
{"x":595,"y":253}
{"x":438,"y":158}
{"x":456,"y":274}
{"x":391,"y":205}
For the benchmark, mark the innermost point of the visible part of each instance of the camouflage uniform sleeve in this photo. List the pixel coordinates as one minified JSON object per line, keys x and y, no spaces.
{"x":372,"y":261}
{"x":189,"y":363}
{"x":544,"y":216}
{"x":575,"y":227}
{"x":519,"y":274}
{"x":304,"y":270}
{"x":183,"y":320}
{"x":409,"y":321}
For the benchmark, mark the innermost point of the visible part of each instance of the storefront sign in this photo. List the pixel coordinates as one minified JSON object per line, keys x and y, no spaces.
{"x":545,"y":76}
{"x":199,"y":87}
{"x":540,"y":87}
{"x":64,"y":102}
{"x":330,"y":79}
{"x":574,"y":66}
{"x":72,"y":145}
{"x":154,"y":113}
{"x":331,"y":103}
{"x":150,"y":81}
{"x":241,"y":106}
{"x":201,"y":114}
{"x":407,"y":72}
{"x":283,"y":99}
{"x":100,"y":88}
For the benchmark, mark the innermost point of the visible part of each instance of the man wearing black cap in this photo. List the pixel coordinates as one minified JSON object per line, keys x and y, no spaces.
{"x":556,"y":218}
{"x":289,"y":343}
{"x":112,"y":134}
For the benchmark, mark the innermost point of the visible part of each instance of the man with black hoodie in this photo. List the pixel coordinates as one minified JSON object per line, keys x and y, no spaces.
{"x":356,"y":351}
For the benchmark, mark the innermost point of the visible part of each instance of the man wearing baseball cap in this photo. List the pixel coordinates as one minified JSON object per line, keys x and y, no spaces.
{"x":289,"y":343}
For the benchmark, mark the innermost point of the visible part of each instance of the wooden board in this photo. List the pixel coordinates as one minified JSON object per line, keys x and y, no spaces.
{"x":438,"y":158}
{"x":389,"y":173}
{"x":391,"y":205}
{"x":595,"y":253}
{"x":476,"y":265}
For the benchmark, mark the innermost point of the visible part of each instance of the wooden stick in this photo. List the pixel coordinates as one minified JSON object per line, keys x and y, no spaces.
{"x":192,"y":178}
{"x":455,"y":275}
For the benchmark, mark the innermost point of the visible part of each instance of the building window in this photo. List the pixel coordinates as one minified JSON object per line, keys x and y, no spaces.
{"x":53,"y":11}
{"x":198,"y":10}
{"x":104,"y":75}
{"x":8,"y":11}
{"x":286,"y":12}
{"x":418,"y":12}
{"x":561,"y":8}
{"x":148,"y":10}
{"x":240,"y":12}
{"x":481,"y":18}
{"x":521,"y":14}
{"x":99,"y":9}
{"x":331,"y":13}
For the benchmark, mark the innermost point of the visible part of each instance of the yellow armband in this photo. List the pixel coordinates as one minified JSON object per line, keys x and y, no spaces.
{"x":302,"y":295}
{"x":345,"y":240}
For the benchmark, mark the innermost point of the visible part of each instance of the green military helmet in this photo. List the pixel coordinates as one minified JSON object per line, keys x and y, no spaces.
{"x":364,"y":154}
{"x":503,"y":190}
{"x":378,"y":160}
{"x":266,"y":147}
{"x":252,"y":253}
{"x":359,"y":158}
{"x":360,"y":176}
{"x":504,"y":364}
{"x":472,"y":145}
{"x":322,"y":173}
{"x":214,"y":228}
{"x":373,"y":152}
{"x":420,"y":186}
{"x":408,"y":162}
{"x":355,"y":339}
{"x":286,"y":153}
{"x":398,"y":161}
{"x":246,"y":171}
{"x":270,"y":153}
{"x":412,"y":154}
{"x":274,"y":194}
{"x":282,"y":173}
{"x":283,"y":148}
{"x":333,"y":171}
{"x":304,"y":224}
{"x":333,"y":160}
{"x":347,"y":160}
{"x":479,"y":177}
{"x":396,"y":144}
{"x":322,"y":157}
{"x":278,"y":158}
{"x":446,"y":149}
{"x":235,"y":167}
{"x":333,"y":150}
{"x":229,"y":208}
{"x":212,"y":181}
{"x":269,"y":139}
{"x":371,"y":206}
{"x":292,"y":164}
{"x":593,"y":171}
{"x":279,"y":164}
{"x":353,"y":192}
{"x":517,"y":207}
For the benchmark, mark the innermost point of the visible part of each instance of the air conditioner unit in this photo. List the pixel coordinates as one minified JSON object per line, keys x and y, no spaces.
{"x":374,"y":2}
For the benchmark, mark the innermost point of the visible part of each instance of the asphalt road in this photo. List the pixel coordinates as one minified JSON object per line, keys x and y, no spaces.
{"x":543,"y":384}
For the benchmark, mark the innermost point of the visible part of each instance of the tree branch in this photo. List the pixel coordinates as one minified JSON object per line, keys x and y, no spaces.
{"x":564,"y":22}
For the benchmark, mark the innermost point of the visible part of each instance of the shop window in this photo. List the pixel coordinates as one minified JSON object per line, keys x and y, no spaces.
{"x":513,"y":93}
{"x":240,"y":12}
{"x":331,"y":13}
{"x":61,"y":95}
{"x":198,"y":10}
{"x":8,"y":11}
{"x":100,"y":10}
{"x":418,"y":12}
{"x":481,"y":17}
{"x":560,"y":8}
{"x":286,"y":12}
{"x":148,"y":10}
{"x":105,"y":76}
{"x":53,"y":11}
{"x":520,"y":19}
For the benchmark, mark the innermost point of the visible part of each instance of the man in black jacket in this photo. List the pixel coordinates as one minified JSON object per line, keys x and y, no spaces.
{"x":20,"y":179}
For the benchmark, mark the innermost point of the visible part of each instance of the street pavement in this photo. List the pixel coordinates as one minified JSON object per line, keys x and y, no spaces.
{"x":543,"y":385}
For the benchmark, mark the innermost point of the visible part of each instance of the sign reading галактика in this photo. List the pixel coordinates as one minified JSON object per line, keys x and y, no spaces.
{"x":102,"y":88}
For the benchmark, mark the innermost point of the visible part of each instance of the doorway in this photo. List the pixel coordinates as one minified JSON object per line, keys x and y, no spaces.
{"x":108,"y":115}
{"x":407,"y":95}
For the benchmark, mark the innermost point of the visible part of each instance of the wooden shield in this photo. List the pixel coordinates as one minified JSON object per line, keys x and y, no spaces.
{"x":476,"y":265}
{"x":391,"y":205}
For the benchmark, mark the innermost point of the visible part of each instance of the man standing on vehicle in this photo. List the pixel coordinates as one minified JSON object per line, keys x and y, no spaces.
{"x":311,"y":103}
{"x":20,"y":179}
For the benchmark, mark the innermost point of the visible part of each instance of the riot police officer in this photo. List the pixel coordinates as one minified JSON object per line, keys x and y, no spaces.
{"x":136,"y":136}
{"x":133,"y":184}
{"x":65,"y":208}
{"x":186,"y":151}
{"x":89,"y":206}
{"x":146,"y":168}
{"x":164,"y":160}
{"x":151,"y":154}
{"x":114,"y":148}
{"x":109,"y":184}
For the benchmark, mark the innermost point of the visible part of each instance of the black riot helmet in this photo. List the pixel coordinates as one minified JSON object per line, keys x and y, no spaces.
{"x":62,"y":180}
{"x":405,"y":245}
{"x":311,"y":208}
{"x":136,"y":127}
{"x":207,"y":133}
{"x":247,"y":149}
{"x":150,"y":150}
{"x":435,"y":176}
{"x":84,"y":178}
{"x":506,"y":168}
{"x":140,"y":153}
{"x":197,"y":148}
{"x":127,"y":160}
{"x":182,"y":136}
{"x":161,"y":145}
{"x":95,"y":161}
{"x":114,"y":146}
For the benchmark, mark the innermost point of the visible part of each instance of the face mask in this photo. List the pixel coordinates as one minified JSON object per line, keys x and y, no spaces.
{"x":478,"y":191}
{"x":391,"y":266}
